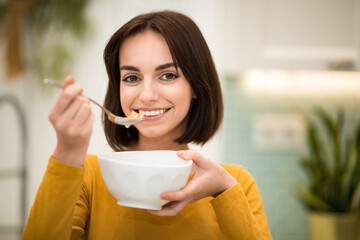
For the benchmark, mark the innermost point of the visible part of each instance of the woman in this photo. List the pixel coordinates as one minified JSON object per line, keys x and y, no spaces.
{"x":160,"y":66}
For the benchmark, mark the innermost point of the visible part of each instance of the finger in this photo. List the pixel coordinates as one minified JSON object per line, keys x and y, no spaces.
{"x":196,"y":157}
{"x":72,"y":91}
{"x":74,"y":107}
{"x":68,"y":80}
{"x":84,"y":114}
{"x":186,"y":192}
{"x":68,"y":95}
{"x":63,"y":102}
{"x":89,"y":122}
{"x":82,"y":128}
{"x":169,"y":209}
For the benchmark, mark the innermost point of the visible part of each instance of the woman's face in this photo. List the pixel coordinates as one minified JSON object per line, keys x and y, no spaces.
{"x":151,"y":85}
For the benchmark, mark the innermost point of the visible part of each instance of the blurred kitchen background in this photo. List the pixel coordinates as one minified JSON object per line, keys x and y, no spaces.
{"x":275,"y":58}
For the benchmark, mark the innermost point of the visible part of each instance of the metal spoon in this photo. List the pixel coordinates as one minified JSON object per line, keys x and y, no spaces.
{"x":127,"y":122}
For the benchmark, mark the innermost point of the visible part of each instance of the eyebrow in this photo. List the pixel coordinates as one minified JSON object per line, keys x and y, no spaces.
{"x":164,"y":66}
{"x":158,"y":68}
{"x":130,"y":68}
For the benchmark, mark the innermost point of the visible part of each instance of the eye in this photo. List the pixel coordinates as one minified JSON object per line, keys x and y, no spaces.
{"x":169,"y":76}
{"x":131,"y":79}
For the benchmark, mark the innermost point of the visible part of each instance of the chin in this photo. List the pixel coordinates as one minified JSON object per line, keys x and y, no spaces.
{"x":152,"y":133}
{"x":158,"y":132}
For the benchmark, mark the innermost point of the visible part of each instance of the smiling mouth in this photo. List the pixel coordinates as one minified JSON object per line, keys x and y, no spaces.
{"x":153,"y":112}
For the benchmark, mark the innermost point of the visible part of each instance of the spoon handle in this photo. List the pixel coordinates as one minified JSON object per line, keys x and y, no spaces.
{"x":53,"y":83}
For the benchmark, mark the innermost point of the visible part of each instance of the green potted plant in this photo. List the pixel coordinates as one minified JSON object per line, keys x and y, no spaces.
{"x":332,"y":165}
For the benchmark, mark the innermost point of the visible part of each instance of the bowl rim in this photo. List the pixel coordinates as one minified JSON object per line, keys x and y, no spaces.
{"x":103,"y":158}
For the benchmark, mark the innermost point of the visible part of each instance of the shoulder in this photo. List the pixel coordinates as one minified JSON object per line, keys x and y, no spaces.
{"x":235,"y":170}
{"x":91,"y":161}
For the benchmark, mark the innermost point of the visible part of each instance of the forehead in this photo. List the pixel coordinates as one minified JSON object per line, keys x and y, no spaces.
{"x":144,"y":47}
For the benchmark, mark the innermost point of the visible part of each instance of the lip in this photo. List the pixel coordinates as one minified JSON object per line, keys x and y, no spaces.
{"x":156,"y":117}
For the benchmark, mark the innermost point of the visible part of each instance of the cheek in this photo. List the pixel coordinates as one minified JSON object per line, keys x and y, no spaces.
{"x":183,"y":100}
{"x":126,"y":98}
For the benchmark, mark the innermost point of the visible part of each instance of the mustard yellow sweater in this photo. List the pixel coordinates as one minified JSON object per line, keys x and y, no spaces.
{"x":73,"y":203}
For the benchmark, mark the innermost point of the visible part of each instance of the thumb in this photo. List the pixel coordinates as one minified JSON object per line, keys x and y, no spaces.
{"x":196,"y":157}
{"x":68,"y":81}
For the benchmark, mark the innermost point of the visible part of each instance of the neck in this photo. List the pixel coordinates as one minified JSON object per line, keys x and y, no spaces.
{"x":145,"y":144}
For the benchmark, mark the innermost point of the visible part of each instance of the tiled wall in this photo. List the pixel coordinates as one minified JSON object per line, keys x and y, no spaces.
{"x":275,"y":170}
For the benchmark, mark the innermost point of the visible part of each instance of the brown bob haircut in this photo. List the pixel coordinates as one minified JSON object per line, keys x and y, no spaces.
{"x":191,"y":54}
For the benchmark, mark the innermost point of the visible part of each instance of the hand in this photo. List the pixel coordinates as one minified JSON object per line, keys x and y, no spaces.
{"x":210,"y":179}
{"x":72,"y":119}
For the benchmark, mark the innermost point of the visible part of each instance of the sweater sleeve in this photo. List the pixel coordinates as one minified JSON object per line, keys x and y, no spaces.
{"x":240,"y":211}
{"x":52,"y":214}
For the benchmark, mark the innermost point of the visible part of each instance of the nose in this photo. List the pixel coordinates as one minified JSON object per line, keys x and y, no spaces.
{"x":148,"y":92}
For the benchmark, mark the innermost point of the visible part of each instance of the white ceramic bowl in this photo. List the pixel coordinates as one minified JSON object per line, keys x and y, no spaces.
{"x":137,"y":178}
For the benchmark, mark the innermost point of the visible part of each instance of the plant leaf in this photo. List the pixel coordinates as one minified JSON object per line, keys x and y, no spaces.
{"x":355,"y":200}
{"x":313,"y":201}
{"x":314,"y":145}
{"x":326,"y":120}
{"x":333,"y":129}
{"x":346,"y":184}
{"x":333,"y":164}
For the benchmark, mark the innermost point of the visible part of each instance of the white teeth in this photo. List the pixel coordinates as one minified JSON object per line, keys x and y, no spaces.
{"x":152,"y":113}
